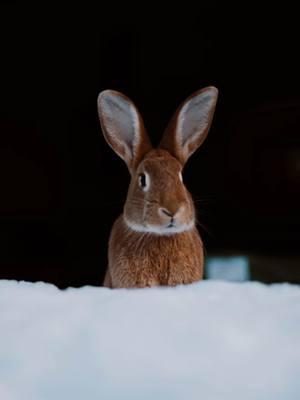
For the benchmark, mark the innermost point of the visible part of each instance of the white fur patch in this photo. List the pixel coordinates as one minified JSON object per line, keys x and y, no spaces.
{"x":159,"y":230}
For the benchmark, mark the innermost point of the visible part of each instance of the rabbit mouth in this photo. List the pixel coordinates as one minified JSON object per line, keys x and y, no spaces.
{"x":169,"y":229}
{"x":171,"y":225}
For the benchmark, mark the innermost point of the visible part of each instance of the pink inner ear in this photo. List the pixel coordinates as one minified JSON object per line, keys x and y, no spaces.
{"x":194,"y":117}
{"x":120,"y":120}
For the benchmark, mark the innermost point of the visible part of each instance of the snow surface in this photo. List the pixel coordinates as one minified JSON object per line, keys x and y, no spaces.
{"x":210,"y":340}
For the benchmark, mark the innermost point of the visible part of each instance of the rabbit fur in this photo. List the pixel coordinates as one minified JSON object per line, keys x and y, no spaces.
{"x":155,"y":240}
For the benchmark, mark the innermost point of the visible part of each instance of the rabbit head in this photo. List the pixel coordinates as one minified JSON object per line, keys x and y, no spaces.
{"x":157,"y":201}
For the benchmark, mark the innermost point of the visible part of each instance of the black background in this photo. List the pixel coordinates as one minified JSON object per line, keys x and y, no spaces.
{"x":62,"y":186}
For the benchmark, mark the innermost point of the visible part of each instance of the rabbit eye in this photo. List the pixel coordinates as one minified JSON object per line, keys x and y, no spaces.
{"x":143,"y":181}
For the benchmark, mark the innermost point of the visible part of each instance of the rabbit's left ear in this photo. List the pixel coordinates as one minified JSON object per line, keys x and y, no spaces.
{"x":190,"y":124}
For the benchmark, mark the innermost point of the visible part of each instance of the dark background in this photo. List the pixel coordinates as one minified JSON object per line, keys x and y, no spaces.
{"x":62,"y":186}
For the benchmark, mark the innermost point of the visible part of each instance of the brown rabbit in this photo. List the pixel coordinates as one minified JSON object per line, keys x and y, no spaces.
{"x":155,"y":241}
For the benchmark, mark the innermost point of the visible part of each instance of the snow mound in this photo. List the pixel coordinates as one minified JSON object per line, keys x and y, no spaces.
{"x":210,"y":340}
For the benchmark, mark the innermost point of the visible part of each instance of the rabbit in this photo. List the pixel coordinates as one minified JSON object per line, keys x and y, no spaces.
{"x":155,"y":241}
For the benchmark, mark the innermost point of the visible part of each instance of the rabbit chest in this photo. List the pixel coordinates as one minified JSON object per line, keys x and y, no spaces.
{"x":145,"y":259}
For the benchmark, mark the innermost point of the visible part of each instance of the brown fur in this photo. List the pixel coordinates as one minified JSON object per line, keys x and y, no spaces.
{"x":154,"y":242}
{"x":144,"y":259}
{"x":167,"y":191}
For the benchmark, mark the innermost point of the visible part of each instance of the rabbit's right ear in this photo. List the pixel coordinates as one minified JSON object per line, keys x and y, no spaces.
{"x":123,"y":127}
{"x":190,"y":124}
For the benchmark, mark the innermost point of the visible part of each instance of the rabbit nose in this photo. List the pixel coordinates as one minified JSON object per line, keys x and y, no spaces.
{"x":171,"y":214}
{"x":166,"y":212}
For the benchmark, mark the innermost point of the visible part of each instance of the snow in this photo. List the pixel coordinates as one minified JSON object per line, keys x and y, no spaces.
{"x":211,"y":340}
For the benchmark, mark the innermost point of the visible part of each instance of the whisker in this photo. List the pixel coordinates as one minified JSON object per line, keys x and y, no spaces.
{"x":206,"y":199}
{"x":205,"y":228}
